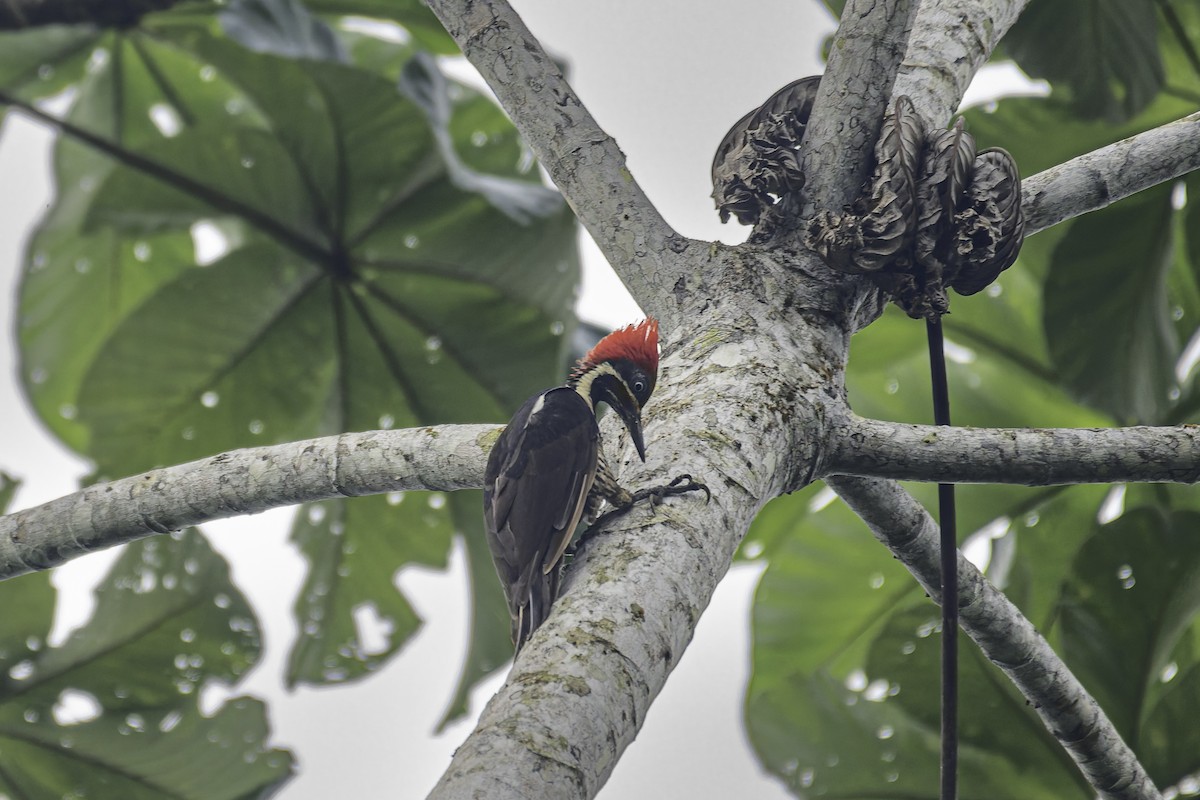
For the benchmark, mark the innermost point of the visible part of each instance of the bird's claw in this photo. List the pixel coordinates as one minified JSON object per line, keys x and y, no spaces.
{"x":681,"y":485}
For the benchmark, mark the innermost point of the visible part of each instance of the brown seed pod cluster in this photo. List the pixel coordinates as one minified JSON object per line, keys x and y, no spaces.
{"x":933,"y":215}
{"x":877,"y":231}
{"x":757,"y":163}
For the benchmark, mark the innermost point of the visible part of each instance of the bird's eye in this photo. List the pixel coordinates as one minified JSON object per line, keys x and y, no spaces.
{"x":638,"y":387}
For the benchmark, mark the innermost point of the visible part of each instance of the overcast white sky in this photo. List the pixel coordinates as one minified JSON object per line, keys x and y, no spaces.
{"x":667,"y":79}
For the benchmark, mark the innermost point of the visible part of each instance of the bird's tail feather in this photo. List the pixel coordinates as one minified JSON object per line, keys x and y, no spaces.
{"x":543,"y":591}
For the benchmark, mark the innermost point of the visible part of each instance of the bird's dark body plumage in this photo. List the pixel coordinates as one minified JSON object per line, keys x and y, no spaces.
{"x":555,"y":448}
{"x":546,"y":470}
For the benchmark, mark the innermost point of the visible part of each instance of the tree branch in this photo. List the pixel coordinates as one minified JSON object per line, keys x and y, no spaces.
{"x":1008,"y":639}
{"x":580,"y":689}
{"x":1028,"y":456}
{"x":855,"y":89}
{"x":1094,"y":180}
{"x":951,"y":40}
{"x":242,"y":482}
{"x":585,"y":163}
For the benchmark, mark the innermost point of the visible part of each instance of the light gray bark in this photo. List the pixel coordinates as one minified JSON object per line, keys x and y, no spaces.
{"x":448,"y":457}
{"x":242,"y":482}
{"x":951,"y":40}
{"x":1097,"y":179}
{"x":855,"y":89}
{"x":1033,"y":457}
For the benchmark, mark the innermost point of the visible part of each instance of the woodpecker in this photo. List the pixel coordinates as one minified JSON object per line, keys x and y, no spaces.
{"x":547,"y":471}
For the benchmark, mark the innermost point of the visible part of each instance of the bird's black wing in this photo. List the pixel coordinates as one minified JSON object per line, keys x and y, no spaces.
{"x":538,"y":477}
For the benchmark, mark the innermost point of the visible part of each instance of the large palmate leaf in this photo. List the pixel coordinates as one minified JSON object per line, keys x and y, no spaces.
{"x":113,"y":710}
{"x":78,"y":285}
{"x":357,"y":281}
{"x":1104,"y":53}
{"x":354,"y":550}
{"x":1044,"y":542}
{"x":843,"y":698}
{"x":1113,"y":332}
{"x":808,"y":616}
{"x":1107,"y":315}
{"x":1132,"y":592}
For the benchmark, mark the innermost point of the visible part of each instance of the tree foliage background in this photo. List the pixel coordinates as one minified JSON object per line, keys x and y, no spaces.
{"x":272,"y":225}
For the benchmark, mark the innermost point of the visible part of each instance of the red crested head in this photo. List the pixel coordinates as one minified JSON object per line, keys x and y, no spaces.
{"x":621,"y":370}
{"x":636,"y":343}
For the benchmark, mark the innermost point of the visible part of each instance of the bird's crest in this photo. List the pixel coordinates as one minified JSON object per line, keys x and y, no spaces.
{"x":638,"y":343}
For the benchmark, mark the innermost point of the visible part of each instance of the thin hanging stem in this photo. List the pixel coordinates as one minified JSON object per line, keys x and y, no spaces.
{"x":949,"y":548}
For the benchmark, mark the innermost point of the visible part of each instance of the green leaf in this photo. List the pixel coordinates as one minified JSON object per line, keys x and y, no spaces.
{"x":163,"y":599}
{"x":992,"y":381}
{"x":778,"y":521}
{"x":353,"y":292}
{"x":1107,"y":317}
{"x":824,"y":593}
{"x":820,"y":737}
{"x":1090,"y":48}
{"x":1133,"y":589}
{"x":28,"y":603}
{"x":875,"y":732}
{"x":43,"y":61}
{"x":1179,"y":41}
{"x":1045,"y":540}
{"x":144,"y":755}
{"x":1169,"y":746}
{"x":522,"y":201}
{"x":282,"y":27}
{"x":352,"y":617}
{"x":1005,"y":750}
{"x":206,"y":172}
{"x":1005,"y":318}
{"x":386,"y":58}
{"x":167,"y":622}
{"x":414,"y":15}
{"x":414,"y":287}
{"x":77,"y":287}
{"x":1021,"y":124}
{"x":203,"y":388}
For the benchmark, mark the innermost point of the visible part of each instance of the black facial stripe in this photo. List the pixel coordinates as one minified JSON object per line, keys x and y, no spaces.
{"x":621,"y":392}
{"x":638,"y":381}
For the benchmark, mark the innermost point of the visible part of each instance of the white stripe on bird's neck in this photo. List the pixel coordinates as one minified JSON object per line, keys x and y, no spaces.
{"x":584,"y":384}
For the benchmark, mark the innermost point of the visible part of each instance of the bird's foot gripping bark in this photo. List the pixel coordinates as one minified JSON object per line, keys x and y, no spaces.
{"x":655,"y":494}
{"x":682,"y":484}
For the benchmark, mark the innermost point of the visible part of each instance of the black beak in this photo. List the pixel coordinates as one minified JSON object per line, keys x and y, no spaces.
{"x":633,"y":421}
